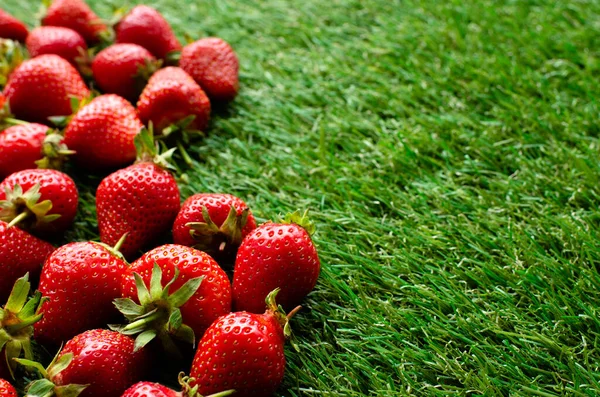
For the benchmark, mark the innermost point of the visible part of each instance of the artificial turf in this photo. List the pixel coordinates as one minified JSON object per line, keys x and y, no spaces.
{"x":448,"y":152}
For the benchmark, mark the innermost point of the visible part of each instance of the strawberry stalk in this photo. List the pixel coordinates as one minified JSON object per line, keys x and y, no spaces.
{"x":192,"y":391}
{"x":16,"y":322}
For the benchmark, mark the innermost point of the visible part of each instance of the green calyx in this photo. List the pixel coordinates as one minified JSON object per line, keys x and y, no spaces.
{"x":192,"y":391}
{"x":45,"y":386}
{"x":24,"y":208}
{"x":144,"y":72}
{"x":301,"y":220}
{"x":12,"y":54}
{"x":16,"y":322}
{"x":213,"y":239}
{"x":149,"y":151}
{"x":116,"y":250}
{"x":281,"y":316}
{"x":54,"y":152}
{"x":158,"y":314}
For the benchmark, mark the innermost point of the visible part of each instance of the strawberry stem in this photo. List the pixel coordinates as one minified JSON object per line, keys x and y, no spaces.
{"x":18,"y":219}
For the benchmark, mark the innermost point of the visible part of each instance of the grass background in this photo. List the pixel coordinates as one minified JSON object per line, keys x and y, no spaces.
{"x":448,"y":152}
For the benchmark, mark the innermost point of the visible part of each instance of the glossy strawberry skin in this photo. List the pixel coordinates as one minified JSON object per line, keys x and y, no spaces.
{"x":21,"y":147}
{"x":115,"y":69}
{"x":218,"y":206}
{"x":146,"y":27}
{"x":64,"y":42}
{"x":149,"y":389}
{"x":76,"y":15}
{"x":55,"y":186}
{"x":11,"y":28}
{"x":42,"y":87}
{"x":141,"y":200}
{"x":102,"y":133}
{"x":6,"y":389}
{"x":81,"y":281}
{"x":21,"y":253}
{"x":170,"y":96}
{"x":241,"y":351}
{"x":214,"y":65}
{"x":105,"y":361}
{"x":213,"y":298}
{"x":274,"y":256}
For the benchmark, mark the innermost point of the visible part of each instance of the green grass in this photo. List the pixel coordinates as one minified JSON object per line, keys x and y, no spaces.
{"x":448,"y":151}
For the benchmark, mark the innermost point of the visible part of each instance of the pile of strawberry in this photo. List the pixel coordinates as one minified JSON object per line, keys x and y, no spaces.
{"x":130,"y":310}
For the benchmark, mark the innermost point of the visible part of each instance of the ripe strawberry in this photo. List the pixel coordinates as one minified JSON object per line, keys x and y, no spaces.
{"x":172,"y":96}
{"x":43,"y":87}
{"x":11,"y":28}
{"x":124,"y":69}
{"x":43,"y":202}
{"x":30,"y":145}
{"x":81,"y":280}
{"x":102,"y":133}
{"x":243,"y":351}
{"x":145,"y":26}
{"x":213,"y":223}
{"x":63,"y":42}
{"x":16,"y":325}
{"x":214,"y":65}
{"x":6,"y":389}
{"x":149,"y":389}
{"x":21,"y":253}
{"x":76,"y":15}
{"x":96,"y":363}
{"x":141,"y":200}
{"x":276,"y":255}
{"x":193,"y":286}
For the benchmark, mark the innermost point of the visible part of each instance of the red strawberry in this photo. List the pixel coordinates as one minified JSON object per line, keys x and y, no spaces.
{"x":141,"y":200}
{"x":122,"y":68}
{"x":81,"y":281}
{"x":172,"y":96}
{"x":43,"y":87}
{"x":149,"y":389}
{"x":27,"y":146}
{"x":63,"y":42}
{"x":198,"y":306}
{"x":102,"y":133}
{"x":21,"y":253}
{"x":16,"y":325}
{"x":76,"y":15}
{"x":41,"y":201}
{"x":145,"y":26}
{"x":213,"y":223}
{"x":214,"y":65}
{"x":276,"y":255}
{"x":243,"y":351}
{"x":11,"y":28}
{"x":96,"y":363}
{"x":6,"y":389}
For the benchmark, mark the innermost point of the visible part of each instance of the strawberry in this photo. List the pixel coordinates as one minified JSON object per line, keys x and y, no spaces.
{"x":63,"y":42}
{"x":141,"y":200}
{"x":42,"y":87}
{"x":16,"y":325}
{"x":30,"y":145}
{"x":21,"y":253}
{"x":124,"y":69}
{"x":190,"y":286}
{"x":80,"y":280}
{"x":149,"y":389}
{"x":276,"y":255}
{"x":243,"y":351}
{"x":146,"y":27}
{"x":41,"y":201}
{"x":213,"y":223}
{"x":214,"y":65}
{"x":6,"y":389}
{"x":102,"y":133}
{"x":172,"y":96}
{"x":11,"y":28}
{"x":96,"y":363}
{"x":76,"y":15}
